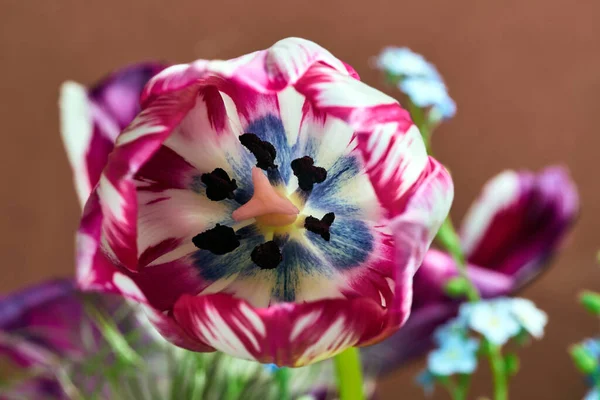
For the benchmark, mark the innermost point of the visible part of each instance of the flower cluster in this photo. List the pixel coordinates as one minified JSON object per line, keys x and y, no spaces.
{"x":496,"y":321}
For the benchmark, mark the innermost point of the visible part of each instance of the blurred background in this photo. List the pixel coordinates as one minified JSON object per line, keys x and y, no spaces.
{"x":525,"y":76}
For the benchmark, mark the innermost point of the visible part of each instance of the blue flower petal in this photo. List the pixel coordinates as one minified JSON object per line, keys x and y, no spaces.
{"x":403,"y":61}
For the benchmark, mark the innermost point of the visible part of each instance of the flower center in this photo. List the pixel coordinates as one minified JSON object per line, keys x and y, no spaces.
{"x":272,"y":210}
{"x":268,"y":206}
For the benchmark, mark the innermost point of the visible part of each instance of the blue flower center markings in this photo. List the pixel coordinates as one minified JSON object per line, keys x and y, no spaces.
{"x":221,"y":239}
{"x":292,"y":256}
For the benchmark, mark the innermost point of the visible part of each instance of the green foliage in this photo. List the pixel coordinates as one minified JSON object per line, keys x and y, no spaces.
{"x":511,"y":364}
{"x":591,"y":302}
{"x":584,"y":361}
{"x":457,"y":287}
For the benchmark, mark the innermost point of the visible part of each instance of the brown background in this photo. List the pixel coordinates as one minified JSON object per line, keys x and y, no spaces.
{"x":525,"y":75}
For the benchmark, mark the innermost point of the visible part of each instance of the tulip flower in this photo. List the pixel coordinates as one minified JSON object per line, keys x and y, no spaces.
{"x":46,"y":335}
{"x":92,"y":120}
{"x":508,"y":236}
{"x":44,"y":325}
{"x":272,"y":207}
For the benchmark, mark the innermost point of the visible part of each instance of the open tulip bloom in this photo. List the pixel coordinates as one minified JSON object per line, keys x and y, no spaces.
{"x":272,"y":207}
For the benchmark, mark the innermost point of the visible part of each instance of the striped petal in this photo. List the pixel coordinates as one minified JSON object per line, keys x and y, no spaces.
{"x":284,"y":334}
{"x":96,"y":271}
{"x":518,"y":221}
{"x":91,"y":120}
{"x":414,"y":230}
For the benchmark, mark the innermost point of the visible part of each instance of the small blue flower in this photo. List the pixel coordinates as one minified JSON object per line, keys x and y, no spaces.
{"x":425,"y":92}
{"x":419,"y":80}
{"x":494,"y":320}
{"x":592,"y":346}
{"x":456,"y":355}
{"x":454,"y":328}
{"x":593,"y":394}
{"x":272,"y":368}
{"x":402,"y":61}
{"x":531,"y":318}
{"x":427,"y":381}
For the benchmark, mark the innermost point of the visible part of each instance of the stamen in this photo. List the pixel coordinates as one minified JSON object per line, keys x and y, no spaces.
{"x":264,"y":151}
{"x":219,"y":240}
{"x":307,"y":173}
{"x":320,"y":227}
{"x":218,"y":185}
{"x":267,"y":255}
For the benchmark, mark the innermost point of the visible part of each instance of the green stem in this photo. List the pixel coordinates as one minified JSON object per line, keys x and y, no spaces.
{"x":282,"y":375}
{"x":349,"y":375}
{"x":464,"y":381}
{"x":456,"y":392}
{"x":420,"y":120}
{"x":498,"y":372}
{"x":448,"y":238}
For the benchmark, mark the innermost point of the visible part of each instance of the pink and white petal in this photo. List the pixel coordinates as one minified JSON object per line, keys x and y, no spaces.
{"x":92,"y":119}
{"x":136,"y":145}
{"x":168,"y":220}
{"x":96,"y":272}
{"x":347,"y":98}
{"x":169,"y":329}
{"x":284,"y":334}
{"x":291,"y":104}
{"x":207,"y":137}
{"x":519,"y":220}
{"x":118,"y":94}
{"x":376,"y":280}
{"x":287,"y":60}
{"x":163,"y":283}
{"x":88,"y":134}
{"x":502,"y":193}
{"x":264,"y":71}
{"x":414,"y":229}
{"x":159,"y":285}
{"x":165,"y":170}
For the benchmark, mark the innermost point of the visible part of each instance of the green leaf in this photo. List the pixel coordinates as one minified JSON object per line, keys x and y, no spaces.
{"x":522,"y":338}
{"x":584,"y":361}
{"x":591,"y":302}
{"x":457,"y":287}
{"x":113,"y":336}
{"x":282,"y":376}
{"x":511,"y":364}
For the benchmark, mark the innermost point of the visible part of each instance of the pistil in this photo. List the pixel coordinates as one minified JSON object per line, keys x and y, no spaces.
{"x":266,"y":205}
